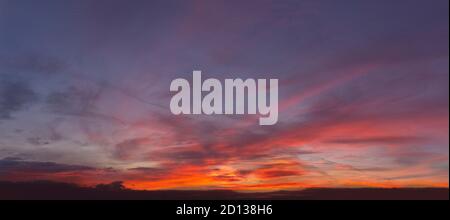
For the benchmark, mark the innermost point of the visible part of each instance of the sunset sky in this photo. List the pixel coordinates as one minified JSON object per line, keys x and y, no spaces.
{"x":363,"y":90}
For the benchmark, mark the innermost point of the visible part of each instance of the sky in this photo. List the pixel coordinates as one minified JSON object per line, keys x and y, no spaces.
{"x":363,"y":93}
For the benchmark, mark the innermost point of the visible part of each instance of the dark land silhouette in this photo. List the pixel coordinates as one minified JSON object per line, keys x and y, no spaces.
{"x":45,"y":190}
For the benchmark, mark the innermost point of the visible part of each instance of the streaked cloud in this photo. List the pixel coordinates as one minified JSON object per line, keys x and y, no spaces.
{"x":84,"y":93}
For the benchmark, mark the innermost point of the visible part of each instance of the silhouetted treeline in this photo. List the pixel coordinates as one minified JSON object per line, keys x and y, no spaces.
{"x":115,"y":191}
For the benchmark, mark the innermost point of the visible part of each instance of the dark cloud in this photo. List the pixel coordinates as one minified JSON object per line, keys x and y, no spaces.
{"x":12,"y":158}
{"x":275,"y":170}
{"x":278,"y":173}
{"x":146,"y":169}
{"x":15,"y":96}
{"x":414,"y":156}
{"x":413,"y":176}
{"x":183,"y":155}
{"x":378,"y":140}
{"x":154,"y":173}
{"x":128,"y":148}
{"x":79,"y":102}
{"x":12,"y":165}
{"x":32,"y":63}
{"x":73,"y":101}
{"x":37,"y":141}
